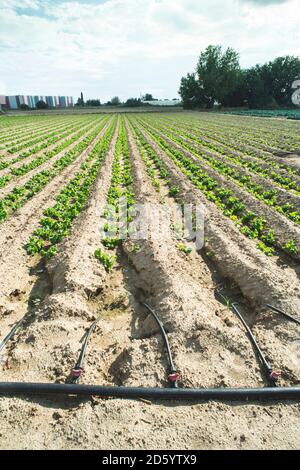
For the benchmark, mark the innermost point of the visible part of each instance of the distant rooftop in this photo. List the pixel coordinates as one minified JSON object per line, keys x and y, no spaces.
{"x":163,"y":102}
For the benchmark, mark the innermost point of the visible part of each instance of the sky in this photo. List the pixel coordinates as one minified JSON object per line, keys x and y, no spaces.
{"x":131,"y":47}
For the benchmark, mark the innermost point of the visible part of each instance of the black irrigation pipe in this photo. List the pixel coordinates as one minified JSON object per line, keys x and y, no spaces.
{"x":272,"y":393}
{"x":11,"y":333}
{"x":173,"y":374}
{"x":284,"y":314}
{"x":271,"y":375}
{"x":78,"y":369}
{"x":240,"y":394}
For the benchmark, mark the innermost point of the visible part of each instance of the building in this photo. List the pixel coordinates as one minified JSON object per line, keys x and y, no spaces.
{"x":12,"y":102}
{"x":62,"y":101}
{"x":163,"y":102}
{"x":2,"y":101}
{"x":15,"y":102}
{"x":50,"y":101}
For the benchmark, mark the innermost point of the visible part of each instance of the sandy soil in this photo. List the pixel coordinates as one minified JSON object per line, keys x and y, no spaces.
{"x":250,"y":153}
{"x":281,"y":226}
{"x":283,"y":195}
{"x":62,"y":134}
{"x":27,"y":139}
{"x":22,"y":179}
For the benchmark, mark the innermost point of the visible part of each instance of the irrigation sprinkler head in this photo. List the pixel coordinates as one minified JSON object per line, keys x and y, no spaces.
{"x":275,"y":375}
{"x":272,"y":376}
{"x":76,"y":374}
{"x":173,"y":377}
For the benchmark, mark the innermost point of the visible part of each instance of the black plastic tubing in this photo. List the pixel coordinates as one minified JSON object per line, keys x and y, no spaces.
{"x":241,"y":394}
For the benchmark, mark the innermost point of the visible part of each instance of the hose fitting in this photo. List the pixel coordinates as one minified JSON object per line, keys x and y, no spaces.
{"x":76,"y":372}
{"x":173,"y":377}
{"x":275,"y":375}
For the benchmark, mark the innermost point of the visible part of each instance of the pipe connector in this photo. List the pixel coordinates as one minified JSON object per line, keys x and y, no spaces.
{"x":173,"y":377}
{"x":76,"y":372}
{"x":275,"y":375}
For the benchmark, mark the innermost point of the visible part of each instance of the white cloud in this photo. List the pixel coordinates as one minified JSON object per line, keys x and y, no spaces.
{"x":32,"y":4}
{"x":265,"y":3}
{"x":130,"y":46}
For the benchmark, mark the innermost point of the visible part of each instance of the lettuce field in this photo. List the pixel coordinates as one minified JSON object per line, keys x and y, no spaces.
{"x":60,"y":177}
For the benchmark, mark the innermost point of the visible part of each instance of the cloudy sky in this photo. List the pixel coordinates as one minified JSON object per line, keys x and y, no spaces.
{"x":129,"y":47}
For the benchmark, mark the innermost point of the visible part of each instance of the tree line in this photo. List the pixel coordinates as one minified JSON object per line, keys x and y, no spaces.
{"x":219,"y":79}
{"x":115,"y":101}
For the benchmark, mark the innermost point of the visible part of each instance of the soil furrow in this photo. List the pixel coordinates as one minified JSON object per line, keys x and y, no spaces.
{"x":21,"y":181}
{"x":30,"y":158}
{"x":62,"y":296}
{"x":283,"y":195}
{"x":64,"y":312}
{"x":14,"y":259}
{"x":31,"y":140}
{"x":238,"y":149}
{"x":192,"y":271}
{"x":258,"y":277}
{"x":56,"y":136}
{"x":284,"y":229}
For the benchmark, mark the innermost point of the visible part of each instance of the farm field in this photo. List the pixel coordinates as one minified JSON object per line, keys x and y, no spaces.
{"x":272,"y":113}
{"x":58,"y":275}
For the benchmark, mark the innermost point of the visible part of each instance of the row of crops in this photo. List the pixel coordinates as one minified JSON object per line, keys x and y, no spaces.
{"x":79,"y":304}
{"x":220,"y":173}
{"x":47,"y":163}
{"x":273,"y":113}
{"x":233,"y":163}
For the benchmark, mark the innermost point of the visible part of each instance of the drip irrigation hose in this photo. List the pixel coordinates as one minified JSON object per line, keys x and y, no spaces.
{"x":284,"y":314}
{"x":230,"y":394}
{"x":173,"y":374}
{"x":78,"y":369}
{"x":11,"y":333}
{"x":271,"y":375}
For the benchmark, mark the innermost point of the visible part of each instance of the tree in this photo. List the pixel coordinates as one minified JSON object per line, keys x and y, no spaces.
{"x":133,"y":102}
{"x":219,"y":79}
{"x":238,"y":95}
{"x":41,"y":105}
{"x":148,"y":97}
{"x":256,"y":92}
{"x":218,"y":73}
{"x":24,"y":107}
{"x":115,"y":101}
{"x":279,"y":76}
{"x":270,"y":85}
{"x":80,"y":101}
{"x":191,"y":93}
{"x":93,"y":103}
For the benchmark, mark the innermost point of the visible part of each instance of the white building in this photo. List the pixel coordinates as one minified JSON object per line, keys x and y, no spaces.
{"x":2,"y":101}
{"x":163,"y":102}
